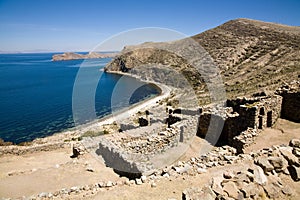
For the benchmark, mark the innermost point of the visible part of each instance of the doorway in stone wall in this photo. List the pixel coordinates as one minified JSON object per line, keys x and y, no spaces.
{"x":269,"y":119}
{"x":262,"y":111}
{"x":260,"y":122}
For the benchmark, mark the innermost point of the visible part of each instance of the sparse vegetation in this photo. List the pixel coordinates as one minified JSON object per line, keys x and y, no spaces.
{"x":3,"y":143}
{"x":249,"y":55}
{"x":95,"y":133}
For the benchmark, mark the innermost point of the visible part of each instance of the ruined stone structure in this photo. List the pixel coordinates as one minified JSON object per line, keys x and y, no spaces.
{"x":243,"y":118}
{"x":138,"y":151}
{"x":241,"y":114}
{"x":290,"y":109}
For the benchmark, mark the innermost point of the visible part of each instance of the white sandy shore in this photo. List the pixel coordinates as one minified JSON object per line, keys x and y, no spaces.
{"x":127,"y":112}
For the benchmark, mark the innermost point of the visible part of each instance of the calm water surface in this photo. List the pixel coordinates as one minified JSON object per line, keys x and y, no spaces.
{"x":36,"y":93}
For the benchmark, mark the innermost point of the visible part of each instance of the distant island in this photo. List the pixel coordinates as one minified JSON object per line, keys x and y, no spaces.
{"x":77,"y":56}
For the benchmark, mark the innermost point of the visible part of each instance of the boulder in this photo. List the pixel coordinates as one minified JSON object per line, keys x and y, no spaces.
{"x":278,"y":163}
{"x":216,"y":185}
{"x":259,"y":176}
{"x":153,"y":185}
{"x":74,"y":189}
{"x":242,"y":177}
{"x":296,"y":152}
{"x":228,"y":175}
{"x":289,"y":156}
{"x":294,"y":172}
{"x":230,"y":158}
{"x":264,"y":163}
{"x":201,"y":170}
{"x":250,"y":190}
{"x":89,"y":169}
{"x":181,"y":170}
{"x":287,"y":190}
{"x":198,"y":194}
{"x":295,"y":143}
{"x":43,"y":195}
{"x":138,"y":181}
{"x":143,"y":178}
{"x":127,"y":182}
{"x":101,"y":185}
{"x":272,"y":190}
{"x":109,"y":184}
{"x":231,"y":189}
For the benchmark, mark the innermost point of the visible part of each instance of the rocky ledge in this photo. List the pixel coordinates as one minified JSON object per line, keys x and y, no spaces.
{"x":76,"y":56}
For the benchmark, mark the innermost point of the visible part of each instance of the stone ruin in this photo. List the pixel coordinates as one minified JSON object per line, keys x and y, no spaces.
{"x":243,"y":118}
{"x":135,"y":151}
{"x":291,"y":101}
{"x":141,"y":150}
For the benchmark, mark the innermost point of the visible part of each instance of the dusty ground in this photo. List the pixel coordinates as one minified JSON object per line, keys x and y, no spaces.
{"x":281,"y":133}
{"x":33,"y":173}
{"x":48,"y":172}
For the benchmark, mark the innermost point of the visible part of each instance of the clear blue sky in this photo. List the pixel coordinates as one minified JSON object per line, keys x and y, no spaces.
{"x":69,"y":25}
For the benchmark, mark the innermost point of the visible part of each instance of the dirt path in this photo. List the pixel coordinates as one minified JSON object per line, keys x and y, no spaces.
{"x":49,"y":172}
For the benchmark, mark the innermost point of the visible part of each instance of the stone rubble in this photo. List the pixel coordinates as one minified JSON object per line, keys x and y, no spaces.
{"x":149,"y":144}
{"x":260,"y":180}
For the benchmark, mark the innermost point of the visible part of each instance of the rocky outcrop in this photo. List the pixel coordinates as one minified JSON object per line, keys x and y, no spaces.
{"x":76,"y":56}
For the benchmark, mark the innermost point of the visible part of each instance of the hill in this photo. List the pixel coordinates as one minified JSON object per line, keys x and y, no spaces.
{"x":252,"y":56}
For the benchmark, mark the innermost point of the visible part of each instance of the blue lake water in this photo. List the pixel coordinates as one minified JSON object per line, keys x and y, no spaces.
{"x":36,"y":93}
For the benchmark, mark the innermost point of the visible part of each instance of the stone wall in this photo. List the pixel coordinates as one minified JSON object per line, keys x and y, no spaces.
{"x":224,"y":125}
{"x":291,"y":106}
{"x":291,"y":100}
{"x":210,"y":127}
{"x":133,"y":155}
{"x":125,"y":164}
{"x":244,"y":139}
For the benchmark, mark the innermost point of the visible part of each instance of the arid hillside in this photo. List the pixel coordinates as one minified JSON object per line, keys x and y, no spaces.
{"x":252,"y":56}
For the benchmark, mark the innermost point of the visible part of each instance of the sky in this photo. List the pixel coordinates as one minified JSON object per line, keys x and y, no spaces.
{"x":80,"y":25}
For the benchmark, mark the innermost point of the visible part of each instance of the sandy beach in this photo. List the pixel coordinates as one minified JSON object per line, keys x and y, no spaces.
{"x":127,"y":112}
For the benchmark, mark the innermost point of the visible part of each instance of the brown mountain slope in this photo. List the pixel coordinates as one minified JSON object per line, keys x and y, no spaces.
{"x":252,"y":56}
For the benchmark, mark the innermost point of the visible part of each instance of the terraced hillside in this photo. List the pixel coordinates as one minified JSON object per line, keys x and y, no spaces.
{"x":252,"y":56}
